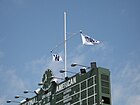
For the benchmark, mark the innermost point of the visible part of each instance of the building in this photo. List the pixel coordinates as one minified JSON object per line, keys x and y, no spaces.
{"x":84,"y":88}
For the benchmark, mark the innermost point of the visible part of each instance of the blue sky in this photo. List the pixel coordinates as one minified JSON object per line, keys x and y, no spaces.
{"x":29,"y":29}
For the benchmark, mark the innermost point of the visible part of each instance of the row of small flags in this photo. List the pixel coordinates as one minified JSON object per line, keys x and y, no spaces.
{"x":86,"y":40}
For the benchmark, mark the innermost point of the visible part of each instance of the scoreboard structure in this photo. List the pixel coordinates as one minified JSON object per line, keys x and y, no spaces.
{"x":84,"y":88}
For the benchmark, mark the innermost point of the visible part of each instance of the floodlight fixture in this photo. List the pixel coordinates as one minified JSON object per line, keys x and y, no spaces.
{"x":52,"y":77}
{"x":75,"y":64}
{"x":18,"y":96}
{"x":9,"y":101}
{"x":41,"y":83}
{"x":63,"y":71}
{"x":35,"y":91}
{"x":28,"y":91}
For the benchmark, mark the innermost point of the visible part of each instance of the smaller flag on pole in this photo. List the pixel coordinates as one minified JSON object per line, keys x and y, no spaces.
{"x":57,"y":57}
{"x":87,"y":40}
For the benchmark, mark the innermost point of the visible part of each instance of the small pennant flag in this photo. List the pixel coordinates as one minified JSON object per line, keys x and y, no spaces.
{"x":57,"y":57}
{"x":87,"y":40}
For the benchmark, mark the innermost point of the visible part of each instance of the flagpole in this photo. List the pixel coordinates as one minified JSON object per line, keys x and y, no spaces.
{"x":65,"y":46}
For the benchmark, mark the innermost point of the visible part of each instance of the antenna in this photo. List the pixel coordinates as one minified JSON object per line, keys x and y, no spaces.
{"x":65,"y":46}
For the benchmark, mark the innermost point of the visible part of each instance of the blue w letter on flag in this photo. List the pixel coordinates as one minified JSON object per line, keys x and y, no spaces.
{"x":57,"y":57}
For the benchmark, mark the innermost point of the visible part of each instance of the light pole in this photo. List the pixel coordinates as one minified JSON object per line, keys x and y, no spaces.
{"x":63,"y":71}
{"x":41,"y":83}
{"x":83,"y":69}
{"x":9,"y":101}
{"x":29,"y":91}
{"x":17,"y":96}
{"x":75,"y":64}
{"x":53,"y":77}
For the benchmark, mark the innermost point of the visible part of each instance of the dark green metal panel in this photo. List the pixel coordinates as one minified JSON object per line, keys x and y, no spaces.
{"x":88,"y":88}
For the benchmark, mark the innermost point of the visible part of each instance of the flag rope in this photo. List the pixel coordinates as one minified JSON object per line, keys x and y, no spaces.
{"x":73,"y":34}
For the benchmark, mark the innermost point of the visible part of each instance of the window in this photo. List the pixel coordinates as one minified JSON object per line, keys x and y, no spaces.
{"x":83,"y":94}
{"x":105,"y":90}
{"x":104,"y":77}
{"x":90,"y":81}
{"x":83,"y":85}
{"x":91,"y":100}
{"x":59,"y":97}
{"x":90,"y":91}
{"x":75,"y":89}
{"x":75,"y":98}
{"x":105,"y":84}
{"x":84,"y":102}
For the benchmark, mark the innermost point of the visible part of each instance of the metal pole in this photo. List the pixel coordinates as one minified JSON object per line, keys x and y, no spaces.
{"x":65,"y":47}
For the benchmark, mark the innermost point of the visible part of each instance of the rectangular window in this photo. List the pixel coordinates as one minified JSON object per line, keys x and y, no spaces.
{"x":91,"y":100}
{"x":75,"y":89}
{"x":105,"y":84}
{"x":90,"y":82}
{"x":83,"y":85}
{"x":59,"y":97}
{"x":91,"y":91}
{"x":105,"y":90}
{"x":83,"y":94}
{"x":104,"y":77}
{"x":84,"y":102}
{"x":75,"y":98}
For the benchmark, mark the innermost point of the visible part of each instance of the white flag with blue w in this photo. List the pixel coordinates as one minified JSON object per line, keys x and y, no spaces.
{"x":87,"y":40}
{"x":57,"y":57}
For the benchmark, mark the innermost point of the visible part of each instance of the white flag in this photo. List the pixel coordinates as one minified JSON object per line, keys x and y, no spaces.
{"x":89,"y":41}
{"x":57,"y":57}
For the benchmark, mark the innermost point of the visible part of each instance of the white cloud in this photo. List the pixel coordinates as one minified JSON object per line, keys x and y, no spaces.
{"x":131,"y":76}
{"x":126,"y":84}
{"x":2,"y":100}
{"x":11,"y":84}
{"x":10,"y":79}
{"x":133,"y":100}
{"x":77,"y":55}
{"x":14,"y":81}
{"x":117,"y":94}
{"x":37,"y":65}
